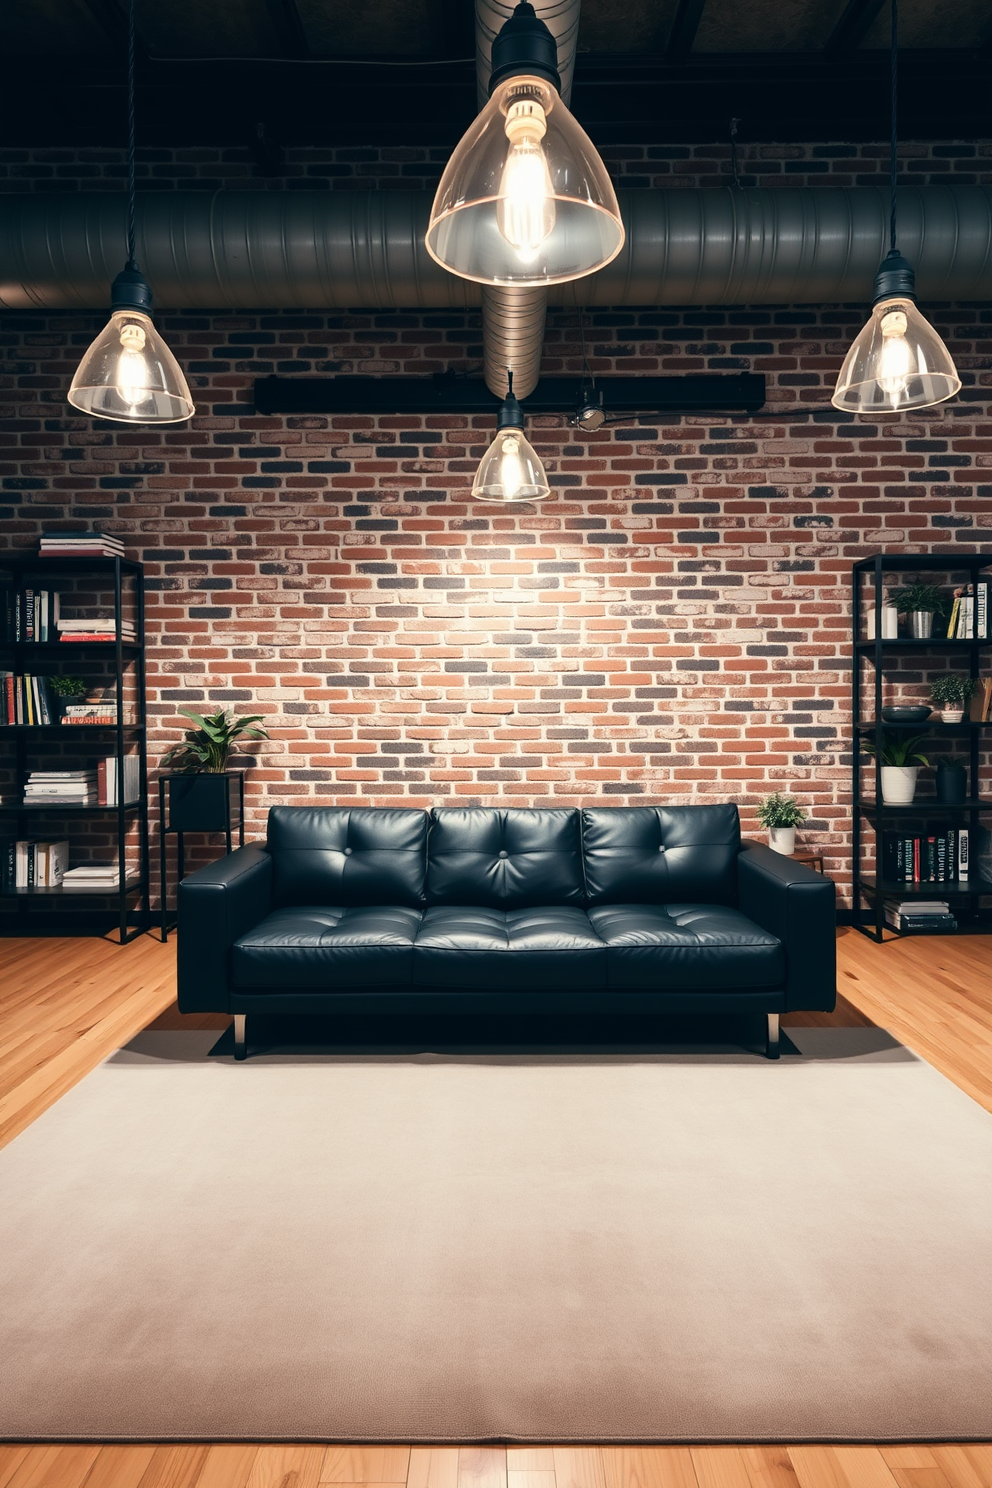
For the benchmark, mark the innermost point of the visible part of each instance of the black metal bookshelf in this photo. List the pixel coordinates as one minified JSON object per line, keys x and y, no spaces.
{"x":40,"y":910}
{"x":869,"y":889}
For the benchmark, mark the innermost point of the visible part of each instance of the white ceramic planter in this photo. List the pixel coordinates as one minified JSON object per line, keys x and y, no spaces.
{"x":899,"y":784}
{"x":952,"y":715}
{"x":782,"y":840}
{"x":890,"y":623}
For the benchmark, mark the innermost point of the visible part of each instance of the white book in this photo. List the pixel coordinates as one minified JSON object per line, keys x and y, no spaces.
{"x":963,"y":852}
{"x":94,"y":870}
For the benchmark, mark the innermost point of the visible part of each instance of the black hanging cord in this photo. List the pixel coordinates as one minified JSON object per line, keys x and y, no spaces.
{"x":131,"y":230}
{"x":893,"y":161}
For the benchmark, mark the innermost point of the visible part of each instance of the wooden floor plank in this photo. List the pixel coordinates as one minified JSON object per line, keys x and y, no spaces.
{"x":119,"y":1467}
{"x":530,"y":1459}
{"x":45,"y":1466}
{"x":648,"y":1467}
{"x":175,"y":1466}
{"x":841,"y":1467}
{"x":433,"y":1467}
{"x":481,"y":1467}
{"x":769,"y":1467}
{"x":286,"y":1467}
{"x":579,"y":1467}
{"x":720,"y":1467}
{"x":915,"y":1467}
{"x":365,"y":1465}
{"x":228,"y":1465}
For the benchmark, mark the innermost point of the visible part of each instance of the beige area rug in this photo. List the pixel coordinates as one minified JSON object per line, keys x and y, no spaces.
{"x":656,"y":1248}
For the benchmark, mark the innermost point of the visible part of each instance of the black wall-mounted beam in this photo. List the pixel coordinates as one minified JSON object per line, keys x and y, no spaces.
{"x":684,"y":28}
{"x":733,"y":392}
{"x":854,"y":25}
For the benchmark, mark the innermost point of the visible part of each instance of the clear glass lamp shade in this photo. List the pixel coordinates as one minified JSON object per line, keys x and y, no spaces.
{"x":510,"y":471}
{"x":897,"y":363}
{"x":525,"y":198}
{"x":130,"y":375}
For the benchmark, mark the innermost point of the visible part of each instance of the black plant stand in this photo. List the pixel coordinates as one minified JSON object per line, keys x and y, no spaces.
{"x":180,"y":812}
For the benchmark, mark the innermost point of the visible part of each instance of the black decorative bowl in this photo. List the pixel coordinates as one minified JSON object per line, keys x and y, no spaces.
{"x":906,"y":714}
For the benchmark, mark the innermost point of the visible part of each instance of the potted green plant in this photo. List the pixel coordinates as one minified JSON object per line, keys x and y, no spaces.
{"x":952,"y":781}
{"x":200,"y":803}
{"x":901,"y":761}
{"x":920,"y":602}
{"x":951,"y":693}
{"x":781,"y":814}
{"x":66,"y":690}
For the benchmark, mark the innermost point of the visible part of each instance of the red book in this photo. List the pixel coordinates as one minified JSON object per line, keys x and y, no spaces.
{"x":101,"y":783}
{"x":916,"y":859}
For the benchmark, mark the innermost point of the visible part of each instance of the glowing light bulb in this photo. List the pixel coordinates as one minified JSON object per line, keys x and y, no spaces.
{"x":895,"y":362}
{"x":511,"y":468}
{"x":525,"y":208}
{"x":132,"y":378}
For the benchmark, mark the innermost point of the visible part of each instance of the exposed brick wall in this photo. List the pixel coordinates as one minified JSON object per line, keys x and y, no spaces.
{"x":672,"y":625}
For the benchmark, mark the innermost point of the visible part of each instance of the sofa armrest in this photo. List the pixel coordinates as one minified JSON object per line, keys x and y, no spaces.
{"x":217,"y":904}
{"x":800,"y":907}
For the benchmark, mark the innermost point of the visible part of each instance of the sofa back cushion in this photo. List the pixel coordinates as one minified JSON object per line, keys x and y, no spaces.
{"x":348,"y":855}
{"x":661,"y":854}
{"x":504,"y":859}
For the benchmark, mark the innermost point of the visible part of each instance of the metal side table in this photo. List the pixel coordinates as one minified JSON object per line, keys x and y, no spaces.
{"x":196,"y":803}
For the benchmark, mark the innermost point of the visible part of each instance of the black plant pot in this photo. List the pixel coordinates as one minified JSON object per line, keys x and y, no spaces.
{"x":952,"y":784}
{"x":200,"y":803}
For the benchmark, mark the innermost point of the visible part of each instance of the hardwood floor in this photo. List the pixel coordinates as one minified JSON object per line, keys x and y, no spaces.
{"x":67,"y":1004}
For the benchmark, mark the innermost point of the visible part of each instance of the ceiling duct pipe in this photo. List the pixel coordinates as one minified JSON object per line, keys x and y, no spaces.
{"x":513,"y":319}
{"x":352,"y":250}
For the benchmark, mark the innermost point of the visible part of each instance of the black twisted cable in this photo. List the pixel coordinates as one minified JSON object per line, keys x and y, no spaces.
{"x":131,"y":213}
{"x":893,"y":161}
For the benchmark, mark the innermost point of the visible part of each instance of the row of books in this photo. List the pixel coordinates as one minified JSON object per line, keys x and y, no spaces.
{"x":933,"y":915}
{"x":32,"y":865}
{"x":29,"y":699}
{"x":80,"y":543}
{"x":928,"y":857}
{"x":94,"y":786}
{"x":35,"y":615}
{"x":29,"y":864}
{"x":970,"y":613}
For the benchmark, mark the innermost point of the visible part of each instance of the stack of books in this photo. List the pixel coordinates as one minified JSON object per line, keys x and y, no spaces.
{"x":934,"y":857}
{"x":61,"y":788}
{"x":94,"y":628}
{"x":920,"y":914}
{"x":102,"y":711}
{"x":28,"y":614}
{"x":80,"y":544}
{"x":32,"y":865}
{"x":94,"y":877}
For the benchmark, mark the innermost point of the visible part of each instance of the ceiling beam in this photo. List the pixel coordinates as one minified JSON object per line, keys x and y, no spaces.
{"x":684,"y":28}
{"x":854,"y":25}
{"x":289,"y":28}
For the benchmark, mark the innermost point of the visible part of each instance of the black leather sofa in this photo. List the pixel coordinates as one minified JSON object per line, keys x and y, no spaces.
{"x":645,"y":909}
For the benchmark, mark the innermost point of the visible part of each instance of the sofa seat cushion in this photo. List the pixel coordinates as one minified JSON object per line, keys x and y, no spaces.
{"x":321,"y":946}
{"x":543,"y":949}
{"x":686,"y":947}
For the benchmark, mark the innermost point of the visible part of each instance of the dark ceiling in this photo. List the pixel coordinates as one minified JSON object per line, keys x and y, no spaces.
{"x":323,"y":72}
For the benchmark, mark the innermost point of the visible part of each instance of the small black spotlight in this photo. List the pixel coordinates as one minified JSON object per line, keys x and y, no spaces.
{"x":589,"y":414}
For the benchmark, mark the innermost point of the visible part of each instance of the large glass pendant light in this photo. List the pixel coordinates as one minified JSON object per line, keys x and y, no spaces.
{"x":129,"y":374}
{"x":898,"y":362}
{"x":525,"y":198}
{"x":510,"y":469}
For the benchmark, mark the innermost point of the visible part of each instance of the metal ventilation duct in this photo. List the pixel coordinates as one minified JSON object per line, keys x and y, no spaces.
{"x":346,"y":250}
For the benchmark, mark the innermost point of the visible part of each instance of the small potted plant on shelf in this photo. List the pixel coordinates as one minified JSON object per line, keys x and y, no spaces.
{"x":200,"y":803}
{"x":901,"y":761}
{"x":921,"y":602}
{"x":951,"y":693}
{"x":67,"y":690}
{"x":952,"y":781}
{"x":781,"y":815}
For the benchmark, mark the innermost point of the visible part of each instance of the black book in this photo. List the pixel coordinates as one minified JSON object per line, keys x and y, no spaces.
{"x":942,"y":858}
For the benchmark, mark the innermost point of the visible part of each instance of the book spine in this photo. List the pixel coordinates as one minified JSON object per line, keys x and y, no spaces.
{"x":931,"y":866}
{"x":942,"y":858}
{"x":19,"y":615}
{"x":29,"y":615}
{"x":916,"y":859}
{"x":101,"y":783}
{"x":32,"y":864}
{"x":983,"y":610}
{"x":963,"y":845}
{"x":43,"y":616}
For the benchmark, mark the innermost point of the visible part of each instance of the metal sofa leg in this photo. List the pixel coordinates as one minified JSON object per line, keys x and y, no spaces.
{"x":240,"y":1035}
{"x":771,"y":1047}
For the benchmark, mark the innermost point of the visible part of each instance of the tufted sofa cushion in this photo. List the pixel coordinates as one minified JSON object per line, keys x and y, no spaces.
{"x":549,"y":949}
{"x":685,"y":947}
{"x":661,"y":854}
{"x":504,"y":859}
{"x":347,"y":855}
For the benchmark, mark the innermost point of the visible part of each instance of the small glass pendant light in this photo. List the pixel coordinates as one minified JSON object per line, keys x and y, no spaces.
{"x":510,"y":469}
{"x":128,"y":373}
{"x":898,"y":362}
{"x":525,"y":199}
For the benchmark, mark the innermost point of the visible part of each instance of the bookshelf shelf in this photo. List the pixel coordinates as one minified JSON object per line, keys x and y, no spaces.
{"x":888,"y":829}
{"x":119,"y":665}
